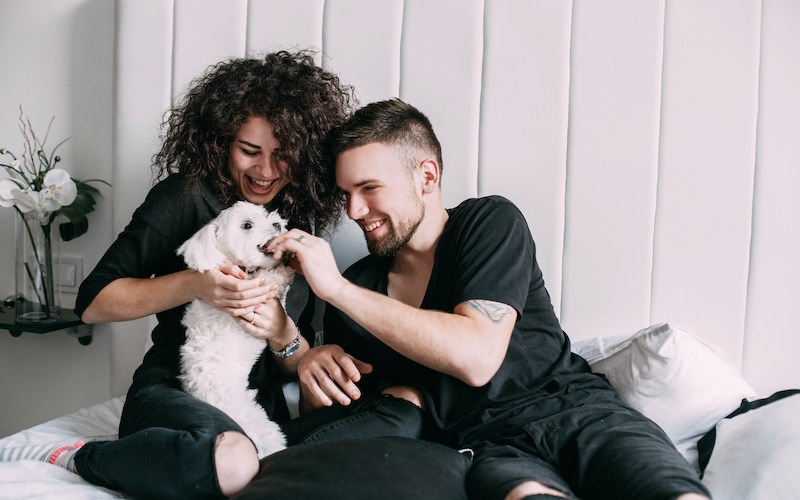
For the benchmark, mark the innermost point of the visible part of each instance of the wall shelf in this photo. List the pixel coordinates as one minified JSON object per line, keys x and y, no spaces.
{"x":69,"y":322}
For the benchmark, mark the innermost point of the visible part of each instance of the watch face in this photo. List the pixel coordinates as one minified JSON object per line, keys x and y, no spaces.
{"x":293,"y":347}
{"x":290,"y":349}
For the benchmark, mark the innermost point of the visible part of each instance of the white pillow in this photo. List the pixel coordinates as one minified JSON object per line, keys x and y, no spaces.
{"x":756,"y":454}
{"x":676,"y":379}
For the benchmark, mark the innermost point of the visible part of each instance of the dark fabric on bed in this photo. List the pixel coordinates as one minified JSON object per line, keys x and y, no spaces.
{"x":386,"y":468}
{"x":705,"y":447}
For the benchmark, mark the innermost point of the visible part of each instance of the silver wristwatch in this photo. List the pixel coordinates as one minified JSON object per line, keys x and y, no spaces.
{"x":288,"y":350}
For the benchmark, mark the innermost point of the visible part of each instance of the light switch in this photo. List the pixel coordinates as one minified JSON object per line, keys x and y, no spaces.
{"x":70,"y":274}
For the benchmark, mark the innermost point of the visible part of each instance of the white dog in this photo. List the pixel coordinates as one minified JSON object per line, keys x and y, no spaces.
{"x":218,"y":354}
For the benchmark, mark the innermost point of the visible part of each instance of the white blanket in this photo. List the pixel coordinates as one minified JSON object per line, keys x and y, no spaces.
{"x":32,"y":479}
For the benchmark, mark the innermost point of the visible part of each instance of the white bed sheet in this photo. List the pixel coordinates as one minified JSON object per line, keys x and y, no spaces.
{"x":33,"y":479}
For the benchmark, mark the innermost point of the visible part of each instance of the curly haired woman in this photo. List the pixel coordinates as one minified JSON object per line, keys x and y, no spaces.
{"x":250,"y":129}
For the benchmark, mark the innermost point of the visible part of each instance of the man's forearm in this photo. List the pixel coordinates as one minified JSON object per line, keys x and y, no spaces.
{"x":452,"y":343}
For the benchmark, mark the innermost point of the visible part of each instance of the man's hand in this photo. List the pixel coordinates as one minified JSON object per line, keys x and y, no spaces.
{"x":329,"y":374}
{"x":313,"y":258}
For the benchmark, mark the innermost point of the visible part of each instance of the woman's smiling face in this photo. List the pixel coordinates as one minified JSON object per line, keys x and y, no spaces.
{"x":253,"y":162}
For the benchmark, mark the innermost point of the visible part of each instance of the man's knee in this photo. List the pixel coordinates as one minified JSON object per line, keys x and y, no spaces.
{"x":405,"y":392}
{"x":530,"y":490}
{"x":370,"y":416}
{"x":395,"y":416}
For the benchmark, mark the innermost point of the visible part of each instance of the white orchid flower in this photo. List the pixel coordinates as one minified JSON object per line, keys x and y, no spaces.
{"x":7,"y":189}
{"x":12,"y":193}
{"x":32,"y":201}
{"x":27,"y":200}
{"x":59,"y":190}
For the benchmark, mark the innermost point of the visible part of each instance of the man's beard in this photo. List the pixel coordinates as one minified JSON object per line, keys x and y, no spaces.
{"x":398,"y":238}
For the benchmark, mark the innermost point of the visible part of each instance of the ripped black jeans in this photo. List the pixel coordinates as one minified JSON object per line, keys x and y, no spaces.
{"x":165,"y":449}
{"x":373,"y":415}
{"x":167,"y":440}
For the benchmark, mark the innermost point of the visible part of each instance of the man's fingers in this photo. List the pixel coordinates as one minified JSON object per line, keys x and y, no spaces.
{"x":329,"y":391}
{"x":336,"y":385}
{"x":346,"y":381}
{"x":329,"y":374}
{"x":362,"y":366}
{"x":320,"y":394}
{"x":291,"y":242}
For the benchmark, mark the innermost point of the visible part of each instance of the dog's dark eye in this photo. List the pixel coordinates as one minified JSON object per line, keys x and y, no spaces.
{"x":277,"y":226}
{"x":247,"y":225}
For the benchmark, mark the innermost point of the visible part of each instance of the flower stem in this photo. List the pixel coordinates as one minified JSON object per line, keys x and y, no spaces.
{"x":33,"y":280}
{"x":43,"y":269}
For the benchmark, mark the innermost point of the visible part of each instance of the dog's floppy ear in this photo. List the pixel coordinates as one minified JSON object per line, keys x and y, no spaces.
{"x":201,"y":251}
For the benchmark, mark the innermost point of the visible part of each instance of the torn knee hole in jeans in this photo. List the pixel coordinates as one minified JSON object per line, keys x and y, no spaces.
{"x":406,"y":393}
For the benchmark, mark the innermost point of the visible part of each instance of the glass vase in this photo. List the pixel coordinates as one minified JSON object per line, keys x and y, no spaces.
{"x":38,"y":258}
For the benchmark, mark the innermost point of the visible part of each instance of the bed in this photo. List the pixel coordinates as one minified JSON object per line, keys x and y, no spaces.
{"x":651,"y":145}
{"x":744,"y":447}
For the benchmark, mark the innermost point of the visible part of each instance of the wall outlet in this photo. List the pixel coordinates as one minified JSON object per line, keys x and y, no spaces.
{"x":69,"y":274}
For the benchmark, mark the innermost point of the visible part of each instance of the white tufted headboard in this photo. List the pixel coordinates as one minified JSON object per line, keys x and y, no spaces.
{"x":654,"y":146}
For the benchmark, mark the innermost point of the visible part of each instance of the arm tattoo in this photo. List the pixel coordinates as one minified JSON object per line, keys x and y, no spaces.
{"x":494,"y":311}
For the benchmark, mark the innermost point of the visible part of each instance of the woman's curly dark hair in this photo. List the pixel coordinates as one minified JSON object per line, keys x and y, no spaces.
{"x":303,"y":103}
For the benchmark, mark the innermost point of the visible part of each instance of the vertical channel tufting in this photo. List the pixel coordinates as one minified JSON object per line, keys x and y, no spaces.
{"x":362,"y":45}
{"x":206,"y":32}
{"x":613,"y":152}
{"x":706,"y":176}
{"x":524,"y":108}
{"x":142,"y":94}
{"x":143,"y":65}
{"x":441,"y":74}
{"x":285,"y":25}
{"x":771,"y":342}
{"x":657,"y":172}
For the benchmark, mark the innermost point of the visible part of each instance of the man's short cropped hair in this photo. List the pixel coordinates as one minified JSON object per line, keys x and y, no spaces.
{"x":395,"y":123}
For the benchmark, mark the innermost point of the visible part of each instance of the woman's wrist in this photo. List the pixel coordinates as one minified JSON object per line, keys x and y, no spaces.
{"x":288,"y":336}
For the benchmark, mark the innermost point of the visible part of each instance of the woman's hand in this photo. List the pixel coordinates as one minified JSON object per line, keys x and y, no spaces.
{"x":229,"y":290}
{"x":268,"y":321}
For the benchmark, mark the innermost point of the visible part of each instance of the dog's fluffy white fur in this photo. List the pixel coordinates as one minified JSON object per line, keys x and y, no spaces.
{"x":218,"y":354}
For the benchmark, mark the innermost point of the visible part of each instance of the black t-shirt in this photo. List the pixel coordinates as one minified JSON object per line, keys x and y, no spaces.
{"x":173,"y":210}
{"x":485,"y":252}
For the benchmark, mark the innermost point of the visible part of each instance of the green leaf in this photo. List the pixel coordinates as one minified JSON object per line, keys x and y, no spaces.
{"x":74,"y":228}
{"x":77,"y":211}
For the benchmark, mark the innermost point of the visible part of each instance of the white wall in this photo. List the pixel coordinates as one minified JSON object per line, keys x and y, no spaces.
{"x":56,"y":59}
{"x":651,"y":144}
